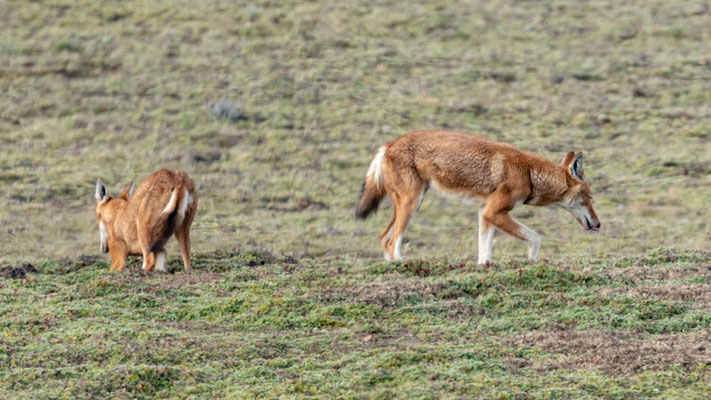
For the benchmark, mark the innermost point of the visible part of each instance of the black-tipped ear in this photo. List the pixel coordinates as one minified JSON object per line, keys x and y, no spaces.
{"x":576,"y":167}
{"x":128,"y":192}
{"x":101,"y":193}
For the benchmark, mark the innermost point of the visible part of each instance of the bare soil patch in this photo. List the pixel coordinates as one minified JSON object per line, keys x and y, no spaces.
{"x":17,"y":272}
{"x":618,"y":352}
{"x":652,"y":267}
{"x":302,"y":205}
{"x":661,"y":274}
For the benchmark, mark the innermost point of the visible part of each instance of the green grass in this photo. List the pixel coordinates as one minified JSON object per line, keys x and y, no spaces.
{"x":256,"y":325}
{"x":119,"y":89}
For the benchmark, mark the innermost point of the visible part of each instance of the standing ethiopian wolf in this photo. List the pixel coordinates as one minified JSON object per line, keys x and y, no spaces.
{"x":140,"y":221}
{"x":499,"y":174}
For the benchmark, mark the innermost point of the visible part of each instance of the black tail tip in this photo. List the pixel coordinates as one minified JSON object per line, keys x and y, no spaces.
{"x":368,"y":202}
{"x":363,"y":211}
{"x":360,"y":214}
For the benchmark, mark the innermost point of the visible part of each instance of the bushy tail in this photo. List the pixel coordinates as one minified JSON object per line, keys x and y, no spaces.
{"x":165,"y":226}
{"x":373,"y":189}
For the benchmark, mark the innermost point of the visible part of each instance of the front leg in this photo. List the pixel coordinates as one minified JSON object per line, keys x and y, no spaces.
{"x":486,"y":239}
{"x":516,"y":229}
{"x":496,"y":214}
{"x":531,"y":237}
{"x":149,"y":261}
{"x":119,"y":253}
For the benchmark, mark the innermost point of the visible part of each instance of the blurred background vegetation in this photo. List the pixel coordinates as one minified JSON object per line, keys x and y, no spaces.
{"x":275,"y":109}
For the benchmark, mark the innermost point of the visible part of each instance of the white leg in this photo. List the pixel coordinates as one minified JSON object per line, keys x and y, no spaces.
{"x":398,"y":243}
{"x":486,"y":244}
{"x":532,"y":238}
{"x":161,"y":261}
{"x":486,"y":240}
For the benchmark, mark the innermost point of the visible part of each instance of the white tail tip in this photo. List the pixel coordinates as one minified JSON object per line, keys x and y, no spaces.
{"x":375,"y":171}
{"x":171,"y":204}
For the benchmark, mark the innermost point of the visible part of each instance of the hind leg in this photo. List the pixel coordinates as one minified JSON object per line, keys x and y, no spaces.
{"x":405,"y":206}
{"x":183,"y":236}
{"x":161,"y":260}
{"x":406,"y":190}
{"x":385,"y":237}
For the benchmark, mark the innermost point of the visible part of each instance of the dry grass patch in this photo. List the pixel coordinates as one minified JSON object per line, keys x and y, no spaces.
{"x":184,"y":279}
{"x":637,"y":273}
{"x":673,"y":292}
{"x":383,"y":293}
{"x":618,"y":352}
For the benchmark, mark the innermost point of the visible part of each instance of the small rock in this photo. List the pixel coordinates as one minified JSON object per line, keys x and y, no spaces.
{"x":229,"y":110}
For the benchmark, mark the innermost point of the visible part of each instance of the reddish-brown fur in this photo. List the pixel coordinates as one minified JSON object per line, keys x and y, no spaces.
{"x":140,"y":224}
{"x":475,"y":167}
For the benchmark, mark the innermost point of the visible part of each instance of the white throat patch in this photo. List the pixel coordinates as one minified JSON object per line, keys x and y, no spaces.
{"x":104,"y":235}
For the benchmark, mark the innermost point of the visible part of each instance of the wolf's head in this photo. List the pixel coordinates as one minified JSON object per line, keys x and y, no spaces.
{"x":578,"y":198}
{"x":107,"y":209}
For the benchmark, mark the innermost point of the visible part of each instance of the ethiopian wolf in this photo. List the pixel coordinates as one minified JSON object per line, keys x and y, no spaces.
{"x":499,"y":174}
{"x":140,"y":221}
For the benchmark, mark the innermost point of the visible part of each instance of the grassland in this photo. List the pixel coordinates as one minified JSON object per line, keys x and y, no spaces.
{"x":256,"y":325}
{"x":275,"y":109}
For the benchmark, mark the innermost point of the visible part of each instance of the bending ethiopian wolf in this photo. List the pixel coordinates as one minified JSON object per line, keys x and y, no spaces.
{"x":499,"y":174}
{"x":140,"y":221}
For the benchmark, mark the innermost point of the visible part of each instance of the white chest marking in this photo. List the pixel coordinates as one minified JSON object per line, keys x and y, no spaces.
{"x":103,"y":234}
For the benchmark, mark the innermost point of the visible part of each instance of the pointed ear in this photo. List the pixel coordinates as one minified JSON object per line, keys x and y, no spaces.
{"x":568,"y":159}
{"x":102,"y":193}
{"x":126,"y":194}
{"x":576,"y":167}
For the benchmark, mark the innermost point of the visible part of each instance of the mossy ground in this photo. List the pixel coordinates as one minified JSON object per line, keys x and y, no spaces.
{"x":256,"y":325}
